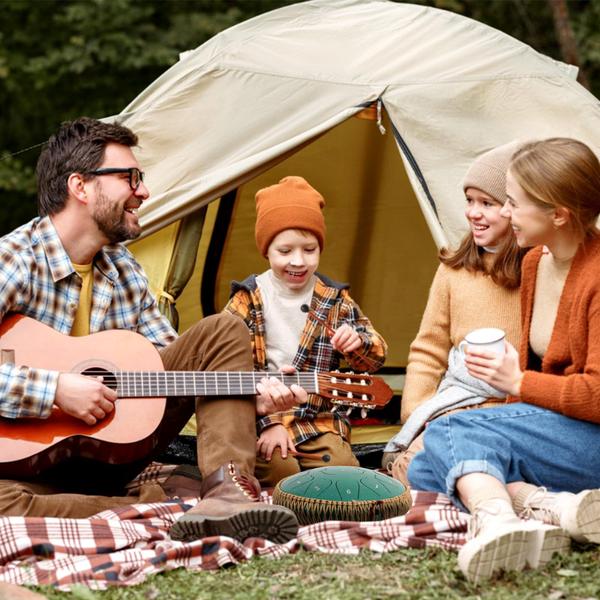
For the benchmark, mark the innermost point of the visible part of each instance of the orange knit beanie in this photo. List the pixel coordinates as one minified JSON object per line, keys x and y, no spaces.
{"x":290,"y":204}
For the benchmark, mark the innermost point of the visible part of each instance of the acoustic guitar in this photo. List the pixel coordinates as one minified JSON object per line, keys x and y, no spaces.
{"x":30,"y":446}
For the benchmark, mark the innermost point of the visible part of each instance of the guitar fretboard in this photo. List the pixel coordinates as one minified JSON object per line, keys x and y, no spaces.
{"x":148,"y":384}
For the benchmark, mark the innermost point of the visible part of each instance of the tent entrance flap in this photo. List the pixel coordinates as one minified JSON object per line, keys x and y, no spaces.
{"x":377,"y":238}
{"x":214,"y":254}
{"x":183,"y":262}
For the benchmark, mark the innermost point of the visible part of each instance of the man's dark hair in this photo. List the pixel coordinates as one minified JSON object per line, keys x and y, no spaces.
{"x":77,"y":147}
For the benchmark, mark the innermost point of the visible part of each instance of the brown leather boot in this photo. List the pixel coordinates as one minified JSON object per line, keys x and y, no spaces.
{"x":185,"y":481}
{"x":230,"y":506}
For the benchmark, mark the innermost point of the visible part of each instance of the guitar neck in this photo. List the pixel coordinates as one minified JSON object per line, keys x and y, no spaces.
{"x":153,"y":384}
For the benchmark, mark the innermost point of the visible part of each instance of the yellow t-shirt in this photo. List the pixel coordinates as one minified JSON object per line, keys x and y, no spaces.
{"x":81,"y":324}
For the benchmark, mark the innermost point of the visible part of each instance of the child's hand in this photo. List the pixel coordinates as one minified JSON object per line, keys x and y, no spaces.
{"x":345,"y":339}
{"x":271,"y":438}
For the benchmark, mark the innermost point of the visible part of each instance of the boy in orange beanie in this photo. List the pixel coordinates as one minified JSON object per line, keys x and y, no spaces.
{"x":285,"y":309}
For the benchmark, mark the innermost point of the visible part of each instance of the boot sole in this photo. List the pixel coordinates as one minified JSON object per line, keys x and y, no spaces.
{"x":277,"y":524}
{"x":480,"y":559}
{"x":548,"y":541}
{"x":533,"y":545}
{"x":584,"y":526}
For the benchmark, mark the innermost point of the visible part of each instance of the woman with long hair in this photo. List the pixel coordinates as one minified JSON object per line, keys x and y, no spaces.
{"x":477,"y":285}
{"x":537,"y":456}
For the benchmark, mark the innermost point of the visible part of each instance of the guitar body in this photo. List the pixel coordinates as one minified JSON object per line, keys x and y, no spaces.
{"x":131,"y":365}
{"x":30,"y":446}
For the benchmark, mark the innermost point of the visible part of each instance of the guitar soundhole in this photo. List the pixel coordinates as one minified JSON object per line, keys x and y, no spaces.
{"x":108,"y":379}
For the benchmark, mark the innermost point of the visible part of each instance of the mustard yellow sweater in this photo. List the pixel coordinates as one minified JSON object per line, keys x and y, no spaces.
{"x":458,"y":302}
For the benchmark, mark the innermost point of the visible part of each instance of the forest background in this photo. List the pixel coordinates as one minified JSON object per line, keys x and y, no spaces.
{"x":60,"y":59}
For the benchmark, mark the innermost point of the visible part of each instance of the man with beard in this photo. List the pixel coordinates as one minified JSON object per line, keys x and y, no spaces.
{"x":68,"y":269}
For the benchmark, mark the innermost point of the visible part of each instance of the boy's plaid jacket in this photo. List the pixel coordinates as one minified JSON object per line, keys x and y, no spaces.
{"x":332,"y":303}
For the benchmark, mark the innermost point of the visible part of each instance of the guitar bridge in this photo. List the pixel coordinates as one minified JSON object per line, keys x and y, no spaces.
{"x":7,"y":356}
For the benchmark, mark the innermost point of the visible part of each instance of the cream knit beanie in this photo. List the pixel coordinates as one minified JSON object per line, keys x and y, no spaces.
{"x":488,"y":171}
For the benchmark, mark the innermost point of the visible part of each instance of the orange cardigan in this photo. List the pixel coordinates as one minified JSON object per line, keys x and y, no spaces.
{"x":569,"y":381}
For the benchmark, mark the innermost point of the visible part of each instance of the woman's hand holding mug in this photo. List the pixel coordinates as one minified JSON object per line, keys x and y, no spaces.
{"x":489,"y":357}
{"x":488,"y":339}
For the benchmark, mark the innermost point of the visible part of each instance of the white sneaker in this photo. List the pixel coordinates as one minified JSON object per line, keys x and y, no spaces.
{"x":503,"y":542}
{"x":578,"y":514}
{"x":549,"y":540}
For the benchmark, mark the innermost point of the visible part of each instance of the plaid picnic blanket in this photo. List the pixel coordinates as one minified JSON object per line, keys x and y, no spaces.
{"x":126,"y":545}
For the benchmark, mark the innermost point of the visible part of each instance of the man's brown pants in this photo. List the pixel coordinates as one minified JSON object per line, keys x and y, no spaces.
{"x":226,"y":430}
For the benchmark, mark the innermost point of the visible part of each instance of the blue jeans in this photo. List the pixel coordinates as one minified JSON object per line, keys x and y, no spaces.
{"x":514,"y":442}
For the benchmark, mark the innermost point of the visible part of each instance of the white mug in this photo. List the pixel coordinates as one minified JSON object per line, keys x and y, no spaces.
{"x":488,"y":339}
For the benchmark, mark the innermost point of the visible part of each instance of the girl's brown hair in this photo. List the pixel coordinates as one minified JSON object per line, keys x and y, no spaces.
{"x":561,"y":172}
{"x":504,"y":269}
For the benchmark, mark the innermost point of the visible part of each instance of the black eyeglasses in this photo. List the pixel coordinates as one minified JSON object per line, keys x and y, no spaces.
{"x":135,"y":175}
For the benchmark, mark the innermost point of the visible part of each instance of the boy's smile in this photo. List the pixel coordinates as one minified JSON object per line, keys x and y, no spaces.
{"x":294,"y":256}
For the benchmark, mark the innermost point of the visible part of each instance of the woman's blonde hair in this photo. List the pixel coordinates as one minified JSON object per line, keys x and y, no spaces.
{"x":561,"y":172}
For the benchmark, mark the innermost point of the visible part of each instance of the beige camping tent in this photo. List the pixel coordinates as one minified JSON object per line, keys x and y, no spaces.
{"x":280,"y":94}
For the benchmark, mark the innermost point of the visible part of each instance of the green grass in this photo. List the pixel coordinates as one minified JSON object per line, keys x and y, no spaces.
{"x":406,"y":573}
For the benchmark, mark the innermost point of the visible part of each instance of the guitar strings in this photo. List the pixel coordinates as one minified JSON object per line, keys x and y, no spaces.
{"x":170,"y":383}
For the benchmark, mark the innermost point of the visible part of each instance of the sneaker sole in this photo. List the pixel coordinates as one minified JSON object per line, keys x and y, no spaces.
{"x":278,"y":525}
{"x":584,"y":526}
{"x":548,"y":541}
{"x":480,"y":559}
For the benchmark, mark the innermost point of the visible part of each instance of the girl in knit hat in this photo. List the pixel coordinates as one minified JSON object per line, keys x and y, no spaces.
{"x":299,"y":317}
{"x":537,"y":455}
{"x":476,"y":286}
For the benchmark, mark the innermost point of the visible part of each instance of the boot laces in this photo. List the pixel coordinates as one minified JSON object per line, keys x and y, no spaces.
{"x":483,"y":514}
{"x":478,"y":518}
{"x":539,"y":506}
{"x":243,"y":483}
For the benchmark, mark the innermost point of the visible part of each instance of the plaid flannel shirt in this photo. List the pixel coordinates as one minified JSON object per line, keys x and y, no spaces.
{"x":37,"y":279}
{"x":332,"y":303}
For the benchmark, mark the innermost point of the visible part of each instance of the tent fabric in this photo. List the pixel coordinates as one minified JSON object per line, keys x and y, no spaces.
{"x":377,"y":238}
{"x":183,"y":261}
{"x":452,"y":87}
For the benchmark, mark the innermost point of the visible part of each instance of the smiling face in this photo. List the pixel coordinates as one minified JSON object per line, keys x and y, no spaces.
{"x":113,"y":204}
{"x":487,"y":225}
{"x":294,"y":256}
{"x":532,"y":224}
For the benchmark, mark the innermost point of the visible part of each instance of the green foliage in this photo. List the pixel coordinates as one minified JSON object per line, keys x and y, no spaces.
{"x":65,"y":58}
{"x":60,"y":59}
{"x":17,"y":189}
{"x":14,"y":176}
{"x":586,"y":23}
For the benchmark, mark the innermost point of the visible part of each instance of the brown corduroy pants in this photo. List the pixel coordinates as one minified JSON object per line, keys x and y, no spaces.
{"x":226,"y":431}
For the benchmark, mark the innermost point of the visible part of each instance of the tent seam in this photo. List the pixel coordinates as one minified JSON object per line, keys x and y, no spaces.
{"x":549,"y":77}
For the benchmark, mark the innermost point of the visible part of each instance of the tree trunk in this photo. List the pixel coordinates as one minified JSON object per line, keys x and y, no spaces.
{"x":566,"y":38}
